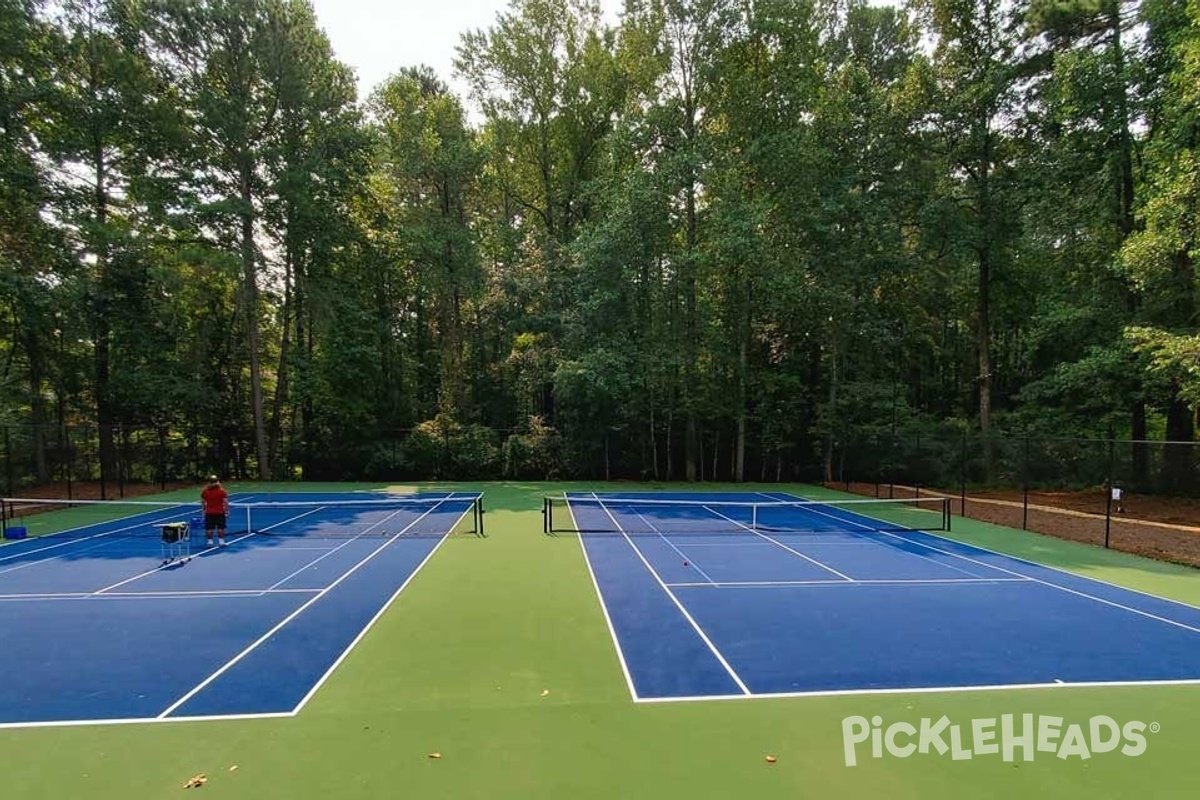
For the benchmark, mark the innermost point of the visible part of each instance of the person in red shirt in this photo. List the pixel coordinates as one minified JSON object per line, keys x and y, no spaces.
{"x":215,"y":500}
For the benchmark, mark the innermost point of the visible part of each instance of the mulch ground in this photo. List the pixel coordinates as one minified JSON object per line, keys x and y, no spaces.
{"x":1079,"y":517}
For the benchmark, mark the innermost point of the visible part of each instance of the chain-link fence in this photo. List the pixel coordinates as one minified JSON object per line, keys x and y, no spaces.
{"x":1138,"y":496}
{"x":66,"y":461}
{"x":1059,"y":486}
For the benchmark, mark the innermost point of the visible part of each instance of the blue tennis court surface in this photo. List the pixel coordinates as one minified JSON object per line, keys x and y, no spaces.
{"x":702,"y":604}
{"x":96,"y":628}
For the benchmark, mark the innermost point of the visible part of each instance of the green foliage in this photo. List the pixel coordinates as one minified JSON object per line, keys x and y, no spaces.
{"x":534,"y":453}
{"x":444,"y":449}
{"x":712,"y":239}
{"x":1174,"y":357}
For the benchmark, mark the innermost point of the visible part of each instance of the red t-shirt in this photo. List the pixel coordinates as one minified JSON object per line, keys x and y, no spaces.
{"x":214,"y":498}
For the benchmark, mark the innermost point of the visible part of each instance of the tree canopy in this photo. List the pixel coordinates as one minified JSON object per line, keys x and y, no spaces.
{"x":706,"y":241}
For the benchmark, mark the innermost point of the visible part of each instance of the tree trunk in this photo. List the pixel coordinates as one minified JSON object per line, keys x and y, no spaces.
{"x":1139,"y":456}
{"x":984,"y":333}
{"x":285,"y":355}
{"x":653,"y":444}
{"x":1179,"y":452}
{"x":250,"y":279}
{"x":833,"y":398}
{"x":670,"y":454}
{"x":691,"y":444}
{"x":37,"y":407}
{"x":712,"y":476}
{"x":739,"y":457}
{"x":101,"y":310}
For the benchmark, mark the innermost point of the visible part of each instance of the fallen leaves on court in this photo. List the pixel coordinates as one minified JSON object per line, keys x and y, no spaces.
{"x":196,"y":781}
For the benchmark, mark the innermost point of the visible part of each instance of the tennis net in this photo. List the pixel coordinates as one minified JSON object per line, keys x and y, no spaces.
{"x":636,"y":515}
{"x":321,"y":519}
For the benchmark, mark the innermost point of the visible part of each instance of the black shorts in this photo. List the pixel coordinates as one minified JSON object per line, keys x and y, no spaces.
{"x":214,"y":521}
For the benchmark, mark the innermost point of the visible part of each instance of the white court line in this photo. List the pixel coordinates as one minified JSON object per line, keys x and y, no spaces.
{"x":791,"y":550}
{"x":870,"y":582}
{"x":349,"y":541}
{"x":683,"y":555}
{"x":920,"y":690}
{"x":229,"y":664}
{"x":157,"y":595}
{"x":337,"y":662}
{"x":209,"y":549}
{"x":1114,"y":604}
{"x":286,"y":548}
{"x":695,"y":626}
{"x":874,"y":531}
{"x":76,"y":723}
{"x":612,"y":631}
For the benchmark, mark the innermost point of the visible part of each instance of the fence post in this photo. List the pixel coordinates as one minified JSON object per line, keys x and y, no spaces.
{"x":878,"y":465}
{"x":1025,"y":487}
{"x":122,"y":460}
{"x":962,"y":479}
{"x":162,"y":458}
{"x":920,"y":459}
{"x":1108,"y":492}
{"x":104,"y":476}
{"x":8,"y":462}
{"x":70,"y":461}
{"x":892,"y":466}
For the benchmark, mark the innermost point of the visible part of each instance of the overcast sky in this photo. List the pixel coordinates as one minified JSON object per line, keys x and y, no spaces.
{"x":378,"y":37}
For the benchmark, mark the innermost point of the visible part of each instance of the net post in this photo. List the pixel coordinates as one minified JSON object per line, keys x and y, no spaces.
{"x":546,"y":516}
{"x":754,"y":517}
{"x":249,"y":526}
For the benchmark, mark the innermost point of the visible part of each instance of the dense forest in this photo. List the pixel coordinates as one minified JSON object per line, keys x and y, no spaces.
{"x":708,"y":240}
